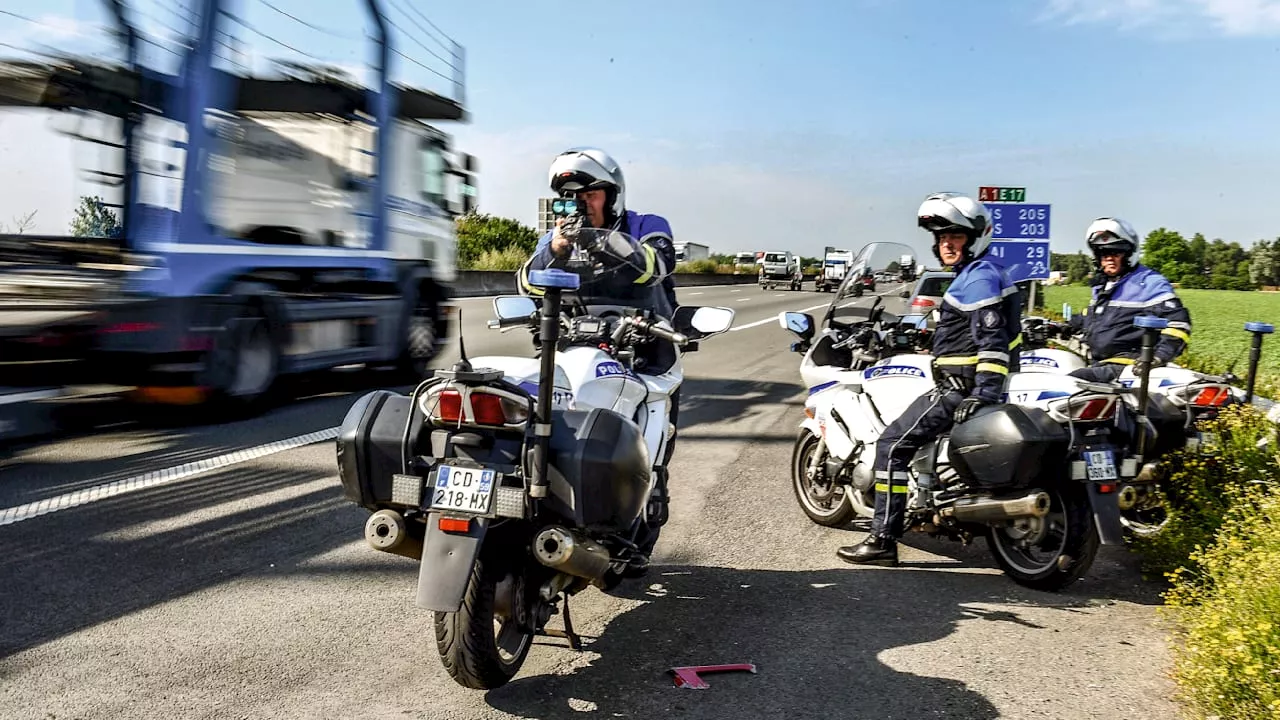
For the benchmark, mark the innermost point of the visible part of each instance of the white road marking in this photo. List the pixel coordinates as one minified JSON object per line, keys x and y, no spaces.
{"x":743,"y":300}
{"x":85,"y":496}
{"x":697,"y":293}
{"x":773,"y":319}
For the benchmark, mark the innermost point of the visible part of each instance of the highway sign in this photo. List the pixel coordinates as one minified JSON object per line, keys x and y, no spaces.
{"x":1025,"y":260}
{"x":1019,"y":221}
{"x":1002,"y":194}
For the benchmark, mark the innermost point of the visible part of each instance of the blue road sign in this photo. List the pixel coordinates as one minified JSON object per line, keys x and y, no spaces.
{"x":1024,"y":259}
{"x":1019,"y":221}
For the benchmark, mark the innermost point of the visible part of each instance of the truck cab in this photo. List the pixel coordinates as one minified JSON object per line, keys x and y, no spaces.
{"x":835,"y":266}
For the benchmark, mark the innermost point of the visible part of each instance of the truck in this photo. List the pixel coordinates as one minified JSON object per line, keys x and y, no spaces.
{"x":835,"y":264}
{"x":906,"y":268}
{"x":690,"y":251}
{"x":780,"y":268}
{"x":270,"y":226}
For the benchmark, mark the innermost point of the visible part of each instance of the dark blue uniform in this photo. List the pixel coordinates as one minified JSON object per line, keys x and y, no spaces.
{"x":636,"y":282}
{"x":977,"y":330}
{"x":1109,"y":333}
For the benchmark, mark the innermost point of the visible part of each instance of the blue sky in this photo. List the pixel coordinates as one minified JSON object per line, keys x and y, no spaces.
{"x":756,"y":125}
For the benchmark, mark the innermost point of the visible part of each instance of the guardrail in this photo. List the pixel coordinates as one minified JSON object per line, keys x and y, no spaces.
{"x":482,"y":283}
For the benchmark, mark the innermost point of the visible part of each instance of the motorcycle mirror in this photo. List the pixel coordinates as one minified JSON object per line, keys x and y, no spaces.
{"x":905,"y":293}
{"x":799,"y":323}
{"x":698,"y":322}
{"x":511,"y":307}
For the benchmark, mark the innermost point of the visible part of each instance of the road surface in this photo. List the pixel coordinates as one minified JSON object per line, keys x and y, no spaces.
{"x":216,"y":572}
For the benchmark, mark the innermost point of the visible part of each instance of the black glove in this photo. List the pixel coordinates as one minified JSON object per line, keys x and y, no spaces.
{"x":1140,"y":368}
{"x":967,"y":408}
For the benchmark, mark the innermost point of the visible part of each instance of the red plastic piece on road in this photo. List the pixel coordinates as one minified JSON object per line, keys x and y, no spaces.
{"x":688,"y":676}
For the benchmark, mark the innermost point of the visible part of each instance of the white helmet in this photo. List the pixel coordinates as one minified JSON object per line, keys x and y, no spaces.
{"x":585,"y":168}
{"x":1110,"y":233}
{"x":952,"y":211}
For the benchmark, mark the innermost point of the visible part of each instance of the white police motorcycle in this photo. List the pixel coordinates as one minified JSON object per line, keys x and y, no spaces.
{"x":1178,"y":398}
{"x":1038,"y":475}
{"x":517,"y":482}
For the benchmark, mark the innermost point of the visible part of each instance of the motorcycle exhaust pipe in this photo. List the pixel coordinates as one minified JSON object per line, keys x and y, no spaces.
{"x":571,"y":553}
{"x":986,"y":509}
{"x":1128,"y":497}
{"x":386,"y":531}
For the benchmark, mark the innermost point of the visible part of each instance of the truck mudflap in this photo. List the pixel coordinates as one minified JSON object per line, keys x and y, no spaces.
{"x":447,"y":560}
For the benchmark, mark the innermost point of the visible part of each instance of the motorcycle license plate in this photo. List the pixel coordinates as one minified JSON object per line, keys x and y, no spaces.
{"x":1100,"y":465}
{"x":462,"y":489}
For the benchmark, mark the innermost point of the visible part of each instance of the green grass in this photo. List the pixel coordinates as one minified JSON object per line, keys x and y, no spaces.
{"x":1218,"y":337}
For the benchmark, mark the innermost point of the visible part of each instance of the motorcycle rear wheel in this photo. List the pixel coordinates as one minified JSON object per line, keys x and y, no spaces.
{"x":839,"y":511}
{"x":483,"y":645}
{"x":1066,"y":537}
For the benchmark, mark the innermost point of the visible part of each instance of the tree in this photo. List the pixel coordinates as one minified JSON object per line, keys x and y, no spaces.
{"x":480,"y":233}
{"x":1168,"y":253}
{"x":21,"y":224}
{"x":94,"y":219}
{"x":1264,"y":263}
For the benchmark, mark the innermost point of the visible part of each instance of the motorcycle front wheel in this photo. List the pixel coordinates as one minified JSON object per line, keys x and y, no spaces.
{"x":484,"y":644}
{"x":825,"y":502}
{"x":1051,"y":552}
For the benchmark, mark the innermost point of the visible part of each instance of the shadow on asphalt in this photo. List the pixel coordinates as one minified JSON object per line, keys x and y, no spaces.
{"x":148,"y":547}
{"x":815,"y":637}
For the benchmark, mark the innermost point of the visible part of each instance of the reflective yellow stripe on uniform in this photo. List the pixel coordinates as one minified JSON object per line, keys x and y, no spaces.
{"x":992,"y":368}
{"x":884,"y":487}
{"x":1175,"y":332}
{"x":1017,"y":340}
{"x":1120,"y":360}
{"x":524,"y":281}
{"x":650,"y":260}
{"x":957,"y":360}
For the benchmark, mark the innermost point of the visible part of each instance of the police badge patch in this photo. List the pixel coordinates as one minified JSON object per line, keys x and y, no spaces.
{"x":990,"y":318}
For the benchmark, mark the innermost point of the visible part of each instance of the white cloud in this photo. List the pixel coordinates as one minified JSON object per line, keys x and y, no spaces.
{"x":1234,"y":18}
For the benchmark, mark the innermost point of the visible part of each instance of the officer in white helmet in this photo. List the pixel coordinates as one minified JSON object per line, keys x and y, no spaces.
{"x":633,"y":273}
{"x":977,"y":329}
{"x":1123,"y":289}
{"x":594,"y":178}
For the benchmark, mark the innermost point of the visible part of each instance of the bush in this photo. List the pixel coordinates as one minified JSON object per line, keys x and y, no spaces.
{"x":1221,"y":550}
{"x":509,"y":258}
{"x":700,"y":267}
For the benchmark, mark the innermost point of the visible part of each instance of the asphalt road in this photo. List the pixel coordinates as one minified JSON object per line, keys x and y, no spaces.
{"x":148,"y":585}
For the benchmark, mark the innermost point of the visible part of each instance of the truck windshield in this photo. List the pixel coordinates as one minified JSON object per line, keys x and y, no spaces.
{"x":775,"y":257}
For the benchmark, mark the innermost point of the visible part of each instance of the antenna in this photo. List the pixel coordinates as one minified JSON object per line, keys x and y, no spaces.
{"x":463,"y":364}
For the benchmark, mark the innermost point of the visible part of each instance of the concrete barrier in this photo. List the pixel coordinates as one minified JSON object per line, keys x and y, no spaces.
{"x":483,"y":283}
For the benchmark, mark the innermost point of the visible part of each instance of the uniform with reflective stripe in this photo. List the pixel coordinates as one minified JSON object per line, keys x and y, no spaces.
{"x":979,"y":327}
{"x":1109,"y":332}
{"x":637,"y":282}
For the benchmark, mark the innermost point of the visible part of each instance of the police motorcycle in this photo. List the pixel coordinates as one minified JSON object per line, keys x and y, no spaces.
{"x":1038,"y":476}
{"x":518,"y":482}
{"x":1177,"y":400}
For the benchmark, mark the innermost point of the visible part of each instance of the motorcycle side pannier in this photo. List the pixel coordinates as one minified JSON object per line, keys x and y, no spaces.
{"x":598,"y":469}
{"x":1006,"y":446}
{"x":369,"y":447}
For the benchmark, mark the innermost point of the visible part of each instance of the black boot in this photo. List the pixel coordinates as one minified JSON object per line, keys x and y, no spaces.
{"x":875,"y":550}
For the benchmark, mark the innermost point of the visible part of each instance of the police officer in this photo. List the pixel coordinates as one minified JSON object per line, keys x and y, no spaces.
{"x":1123,"y":289}
{"x":634,"y":274}
{"x":594,"y":178}
{"x":977,"y":329}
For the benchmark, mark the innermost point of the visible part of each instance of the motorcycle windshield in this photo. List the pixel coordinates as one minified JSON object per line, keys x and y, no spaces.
{"x":879,"y":271}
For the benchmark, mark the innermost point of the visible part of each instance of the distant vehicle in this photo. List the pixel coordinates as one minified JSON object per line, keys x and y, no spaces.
{"x":926,"y":296}
{"x":690,"y":251}
{"x":781,"y":268}
{"x":835,"y":266}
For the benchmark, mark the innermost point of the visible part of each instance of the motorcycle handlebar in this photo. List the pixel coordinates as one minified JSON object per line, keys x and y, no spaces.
{"x":659,"y":332}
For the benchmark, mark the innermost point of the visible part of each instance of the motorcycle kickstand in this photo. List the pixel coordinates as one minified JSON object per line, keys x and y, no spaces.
{"x":575,"y":640}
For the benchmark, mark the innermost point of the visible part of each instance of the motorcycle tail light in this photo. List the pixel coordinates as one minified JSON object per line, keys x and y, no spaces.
{"x":474,"y":406}
{"x":1085,"y":408}
{"x":1212,"y":396}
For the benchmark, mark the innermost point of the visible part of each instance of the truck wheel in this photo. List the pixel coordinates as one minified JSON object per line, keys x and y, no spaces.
{"x":242,"y":367}
{"x":422,"y":341}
